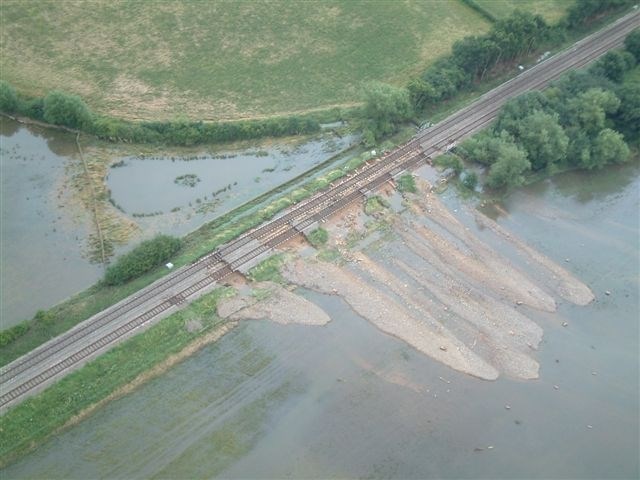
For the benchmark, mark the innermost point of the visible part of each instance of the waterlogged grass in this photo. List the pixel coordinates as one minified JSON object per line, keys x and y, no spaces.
{"x":32,"y":421}
{"x":232,"y":440}
{"x":223,"y":59}
{"x":551,"y":10}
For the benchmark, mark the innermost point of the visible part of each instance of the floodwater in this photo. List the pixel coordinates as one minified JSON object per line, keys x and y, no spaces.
{"x":41,"y":239}
{"x":43,"y":231}
{"x":175,"y":195}
{"x":345,"y":400}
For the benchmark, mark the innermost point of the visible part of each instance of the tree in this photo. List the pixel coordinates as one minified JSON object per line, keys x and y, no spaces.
{"x":385,"y":108}
{"x":543,"y":139}
{"x":590,"y":108}
{"x":65,"y":109}
{"x":8,"y":97}
{"x":485,"y":147}
{"x":509,"y":168}
{"x":614,"y":64}
{"x":632,"y":44}
{"x":583,"y":10}
{"x":608,"y":147}
{"x":627,"y":118}
{"x":515,"y":110}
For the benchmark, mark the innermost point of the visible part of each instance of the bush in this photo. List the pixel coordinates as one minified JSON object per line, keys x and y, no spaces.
{"x":450,"y":160}
{"x":470,"y":180}
{"x":10,"y":334}
{"x":8,"y":98}
{"x":318,"y":237}
{"x":144,"y":257}
{"x":406,"y":183}
{"x":268,"y":270}
{"x":582,"y":11}
{"x":61,"y":108}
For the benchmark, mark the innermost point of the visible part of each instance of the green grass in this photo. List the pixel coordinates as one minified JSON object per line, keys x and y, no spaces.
{"x":222,"y":59}
{"x":375,"y":204}
{"x":551,"y":10}
{"x":406,"y":183}
{"x":318,"y":237}
{"x":268,"y":270}
{"x":32,"y":421}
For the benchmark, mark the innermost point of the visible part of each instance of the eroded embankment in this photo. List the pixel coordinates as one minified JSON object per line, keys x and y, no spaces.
{"x":433,"y":284}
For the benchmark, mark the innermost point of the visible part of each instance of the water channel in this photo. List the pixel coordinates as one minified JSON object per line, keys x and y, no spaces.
{"x":272,"y":401}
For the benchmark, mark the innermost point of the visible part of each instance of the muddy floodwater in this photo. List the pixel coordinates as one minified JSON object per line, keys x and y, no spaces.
{"x":346,"y":400}
{"x":41,"y":234}
{"x":175,"y":195}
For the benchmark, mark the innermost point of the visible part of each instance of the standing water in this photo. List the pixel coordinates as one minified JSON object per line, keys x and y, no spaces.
{"x":175,"y":195}
{"x":44,"y":231}
{"x":41,"y":238}
{"x":345,"y":400}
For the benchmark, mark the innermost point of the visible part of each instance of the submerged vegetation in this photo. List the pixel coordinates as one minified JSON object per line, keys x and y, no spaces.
{"x":187,"y":180}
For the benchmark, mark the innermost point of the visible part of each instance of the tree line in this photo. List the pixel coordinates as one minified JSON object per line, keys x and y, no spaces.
{"x":386,"y":107}
{"x":584,"y":120}
{"x":472,"y":60}
{"x":68,"y":110}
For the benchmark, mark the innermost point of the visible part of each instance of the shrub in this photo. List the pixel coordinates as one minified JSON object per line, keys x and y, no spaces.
{"x":632,"y":44}
{"x":450,"y":160}
{"x":470,"y":180}
{"x":10,"y":334}
{"x":8,"y":97}
{"x":318,"y":237}
{"x":144,"y":257}
{"x":61,"y":108}
{"x":406,"y":183}
{"x":268,"y":270}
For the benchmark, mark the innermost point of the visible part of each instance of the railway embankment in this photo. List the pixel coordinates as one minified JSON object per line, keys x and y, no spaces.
{"x":468,"y":352}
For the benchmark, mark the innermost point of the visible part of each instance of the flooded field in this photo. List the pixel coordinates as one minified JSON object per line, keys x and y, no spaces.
{"x":348,"y":400}
{"x":42,"y":233}
{"x":47,"y":230}
{"x":176,"y":195}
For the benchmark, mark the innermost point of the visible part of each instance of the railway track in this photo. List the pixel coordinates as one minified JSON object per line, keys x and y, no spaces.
{"x":37,"y":368}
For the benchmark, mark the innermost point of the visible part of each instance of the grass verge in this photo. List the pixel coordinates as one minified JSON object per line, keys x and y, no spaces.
{"x":30,"y":423}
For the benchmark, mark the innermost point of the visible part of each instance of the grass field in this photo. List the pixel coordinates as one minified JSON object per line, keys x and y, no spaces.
{"x":222,"y":59}
{"x":551,"y":10}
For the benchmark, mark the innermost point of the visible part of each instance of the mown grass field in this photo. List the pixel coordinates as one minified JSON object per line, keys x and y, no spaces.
{"x":222,"y":59}
{"x":551,"y":10}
